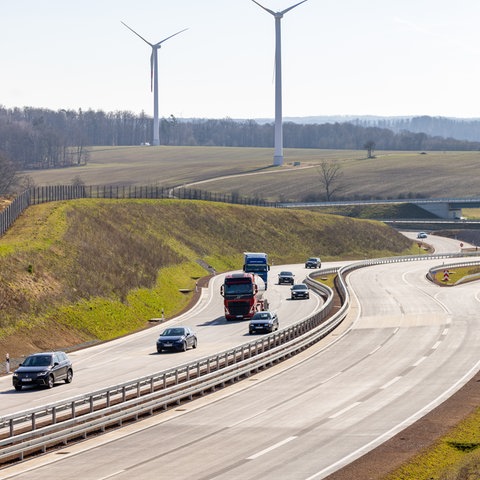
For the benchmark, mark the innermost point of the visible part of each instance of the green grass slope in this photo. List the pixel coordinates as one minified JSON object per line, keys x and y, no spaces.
{"x":90,"y":270}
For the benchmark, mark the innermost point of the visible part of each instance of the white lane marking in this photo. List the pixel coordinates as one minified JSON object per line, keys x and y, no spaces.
{"x":445,"y":332}
{"x":269,"y":449}
{"x":330,"y":378}
{"x":396,"y":428}
{"x":112,"y":475}
{"x":436,"y":345}
{"x":419,"y":361}
{"x":391,"y":382}
{"x":375,"y":350}
{"x":346,"y":409}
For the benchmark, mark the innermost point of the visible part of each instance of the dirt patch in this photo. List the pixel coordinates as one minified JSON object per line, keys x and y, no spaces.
{"x":4,"y":203}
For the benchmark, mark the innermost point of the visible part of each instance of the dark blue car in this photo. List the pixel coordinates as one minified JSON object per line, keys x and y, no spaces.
{"x":176,"y":338}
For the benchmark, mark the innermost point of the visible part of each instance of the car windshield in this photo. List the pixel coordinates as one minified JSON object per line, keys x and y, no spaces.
{"x":173,"y":332}
{"x":261,"y":316}
{"x":286,"y":274}
{"x":299,"y":287}
{"x":37,"y":361}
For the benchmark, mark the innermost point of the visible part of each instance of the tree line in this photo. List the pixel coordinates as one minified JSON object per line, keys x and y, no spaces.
{"x":37,"y":138}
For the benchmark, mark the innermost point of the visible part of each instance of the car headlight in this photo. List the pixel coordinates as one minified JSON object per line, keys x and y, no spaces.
{"x":42,"y":374}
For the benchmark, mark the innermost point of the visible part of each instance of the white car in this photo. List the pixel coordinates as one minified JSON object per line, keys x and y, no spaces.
{"x":422,"y":235}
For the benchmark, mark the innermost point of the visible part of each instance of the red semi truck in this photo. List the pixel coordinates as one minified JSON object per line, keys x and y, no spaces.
{"x":241,"y":298}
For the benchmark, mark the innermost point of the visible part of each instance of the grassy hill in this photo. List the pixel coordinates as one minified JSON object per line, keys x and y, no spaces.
{"x":90,"y":270}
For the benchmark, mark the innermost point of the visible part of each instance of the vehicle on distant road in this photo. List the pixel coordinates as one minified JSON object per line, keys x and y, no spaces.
{"x":286,"y":277}
{"x":299,"y":290}
{"x":257,"y":263}
{"x":43,"y":369}
{"x":313,"y":262}
{"x":176,"y":338}
{"x":422,"y":235}
{"x":263,"y":322}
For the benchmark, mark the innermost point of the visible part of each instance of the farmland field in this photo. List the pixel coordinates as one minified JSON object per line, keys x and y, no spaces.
{"x":249,"y":171}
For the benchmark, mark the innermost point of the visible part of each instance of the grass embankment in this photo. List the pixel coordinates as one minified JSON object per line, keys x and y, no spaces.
{"x":454,"y":457}
{"x":90,"y":270}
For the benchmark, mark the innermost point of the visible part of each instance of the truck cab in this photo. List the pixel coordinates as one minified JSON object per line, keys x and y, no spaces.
{"x":257,"y":263}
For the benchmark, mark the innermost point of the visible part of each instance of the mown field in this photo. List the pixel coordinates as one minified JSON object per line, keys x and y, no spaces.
{"x":249,"y":171}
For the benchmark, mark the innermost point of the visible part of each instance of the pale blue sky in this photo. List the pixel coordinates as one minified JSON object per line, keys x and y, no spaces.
{"x":340,"y":57}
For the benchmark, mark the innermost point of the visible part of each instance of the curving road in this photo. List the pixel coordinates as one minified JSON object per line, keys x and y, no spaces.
{"x":405,"y":347}
{"x":133,"y":356}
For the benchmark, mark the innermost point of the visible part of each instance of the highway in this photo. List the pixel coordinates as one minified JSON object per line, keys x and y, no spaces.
{"x":135,"y":355}
{"x":405,"y":347}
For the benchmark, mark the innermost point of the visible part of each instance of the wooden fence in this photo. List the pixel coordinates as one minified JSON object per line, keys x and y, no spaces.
{"x":37,"y":195}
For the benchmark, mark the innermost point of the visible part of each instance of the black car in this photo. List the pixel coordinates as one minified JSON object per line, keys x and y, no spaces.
{"x":44,"y":369}
{"x":286,"y":277}
{"x":263,"y":322}
{"x":313,"y":262}
{"x":300,"y":290}
{"x":176,"y":338}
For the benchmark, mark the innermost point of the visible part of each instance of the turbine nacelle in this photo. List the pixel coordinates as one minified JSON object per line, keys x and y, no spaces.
{"x":279,"y":14}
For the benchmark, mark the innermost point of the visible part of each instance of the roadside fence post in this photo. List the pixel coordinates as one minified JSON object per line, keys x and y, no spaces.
{"x":7,"y":363}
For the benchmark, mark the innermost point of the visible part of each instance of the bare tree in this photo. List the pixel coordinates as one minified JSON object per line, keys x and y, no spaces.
{"x":330,"y":175}
{"x":8,"y":174}
{"x":370,"y":147}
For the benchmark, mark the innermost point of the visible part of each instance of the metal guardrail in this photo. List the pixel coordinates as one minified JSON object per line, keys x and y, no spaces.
{"x":37,"y":429}
{"x":433,"y":270}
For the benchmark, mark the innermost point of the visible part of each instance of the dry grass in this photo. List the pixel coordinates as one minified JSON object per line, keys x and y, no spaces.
{"x":388,"y":175}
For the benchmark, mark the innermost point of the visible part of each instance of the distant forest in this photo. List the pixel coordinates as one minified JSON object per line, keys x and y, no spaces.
{"x":33,"y":138}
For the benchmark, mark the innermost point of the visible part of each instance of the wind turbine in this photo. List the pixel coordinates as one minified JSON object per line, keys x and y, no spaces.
{"x":278,"y":154}
{"x":154,"y":79}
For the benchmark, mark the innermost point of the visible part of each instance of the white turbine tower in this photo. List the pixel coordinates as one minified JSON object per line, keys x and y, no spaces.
{"x":278,"y":154}
{"x":154,"y":80}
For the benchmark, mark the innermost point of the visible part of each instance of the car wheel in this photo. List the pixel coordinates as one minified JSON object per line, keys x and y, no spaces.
{"x":18,"y":388}
{"x":69,"y":377}
{"x":194,"y":344}
{"x":50,"y":381}
{"x":184,"y":347}
{"x":159,"y":350}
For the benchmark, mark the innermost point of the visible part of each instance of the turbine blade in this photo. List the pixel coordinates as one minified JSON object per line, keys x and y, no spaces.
{"x":267,"y":9}
{"x":165,"y":39}
{"x":138,"y":35}
{"x":288,"y":9}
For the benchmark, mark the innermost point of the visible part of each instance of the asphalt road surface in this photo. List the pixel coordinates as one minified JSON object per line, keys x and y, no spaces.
{"x":405,"y":347}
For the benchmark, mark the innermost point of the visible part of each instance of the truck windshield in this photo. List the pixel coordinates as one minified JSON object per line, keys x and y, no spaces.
{"x":238,"y":289}
{"x":255,"y":268}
